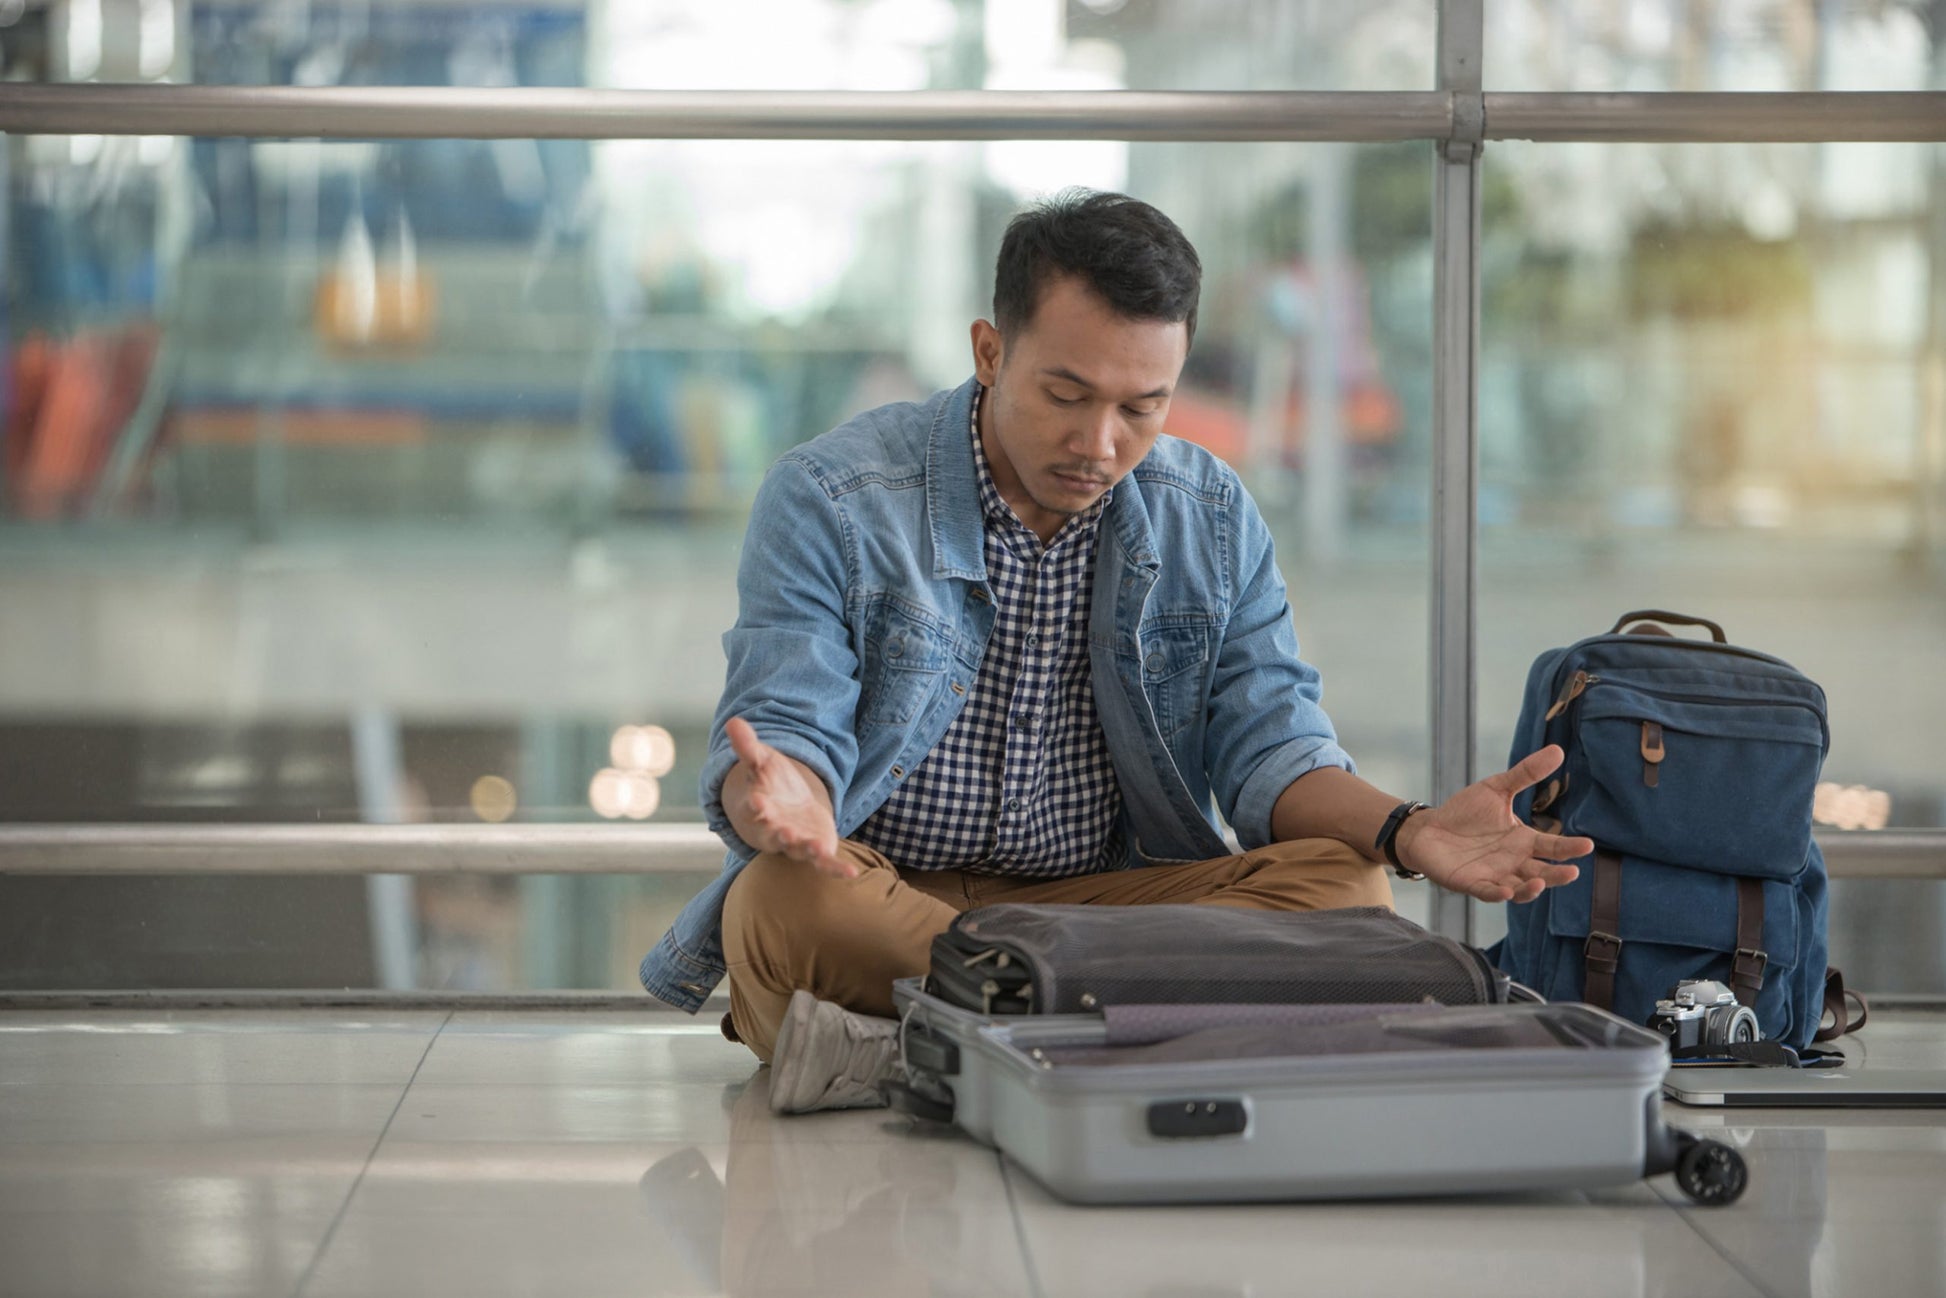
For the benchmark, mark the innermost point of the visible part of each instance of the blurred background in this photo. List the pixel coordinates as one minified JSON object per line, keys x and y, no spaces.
{"x":404,"y":481}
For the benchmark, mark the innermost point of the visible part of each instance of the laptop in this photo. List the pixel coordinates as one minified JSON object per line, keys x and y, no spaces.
{"x":1808,"y":1088}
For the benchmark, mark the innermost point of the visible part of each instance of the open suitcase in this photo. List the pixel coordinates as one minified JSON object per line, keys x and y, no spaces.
{"x":1147,"y":1102}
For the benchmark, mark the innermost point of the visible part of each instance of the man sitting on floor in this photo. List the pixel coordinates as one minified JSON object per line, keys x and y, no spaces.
{"x":1011,"y":644}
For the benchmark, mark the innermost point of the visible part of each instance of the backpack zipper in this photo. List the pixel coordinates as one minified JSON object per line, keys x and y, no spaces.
{"x":1653,"y":751}
{"x":1573,"y":690}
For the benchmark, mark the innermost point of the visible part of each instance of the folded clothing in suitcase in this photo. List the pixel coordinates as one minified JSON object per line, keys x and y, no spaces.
{"x":1025,"y":959}
{"x":1182,"y":1104}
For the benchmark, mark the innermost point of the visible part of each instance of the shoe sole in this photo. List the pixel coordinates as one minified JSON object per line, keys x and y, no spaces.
{"x":792,"y":1090}
{"x":785,"y":1070}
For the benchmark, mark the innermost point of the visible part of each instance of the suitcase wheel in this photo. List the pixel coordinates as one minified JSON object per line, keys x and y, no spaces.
{"x":1712,"y":1174}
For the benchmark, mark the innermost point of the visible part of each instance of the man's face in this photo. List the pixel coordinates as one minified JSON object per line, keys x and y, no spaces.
{"x":1076,"y":397}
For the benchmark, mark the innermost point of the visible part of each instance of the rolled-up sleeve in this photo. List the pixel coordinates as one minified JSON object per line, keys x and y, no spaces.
{"x":792,"y":670}
{"x":1266,"y":725}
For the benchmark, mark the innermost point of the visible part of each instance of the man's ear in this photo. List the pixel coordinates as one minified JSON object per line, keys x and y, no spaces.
{"x":988,"y":351}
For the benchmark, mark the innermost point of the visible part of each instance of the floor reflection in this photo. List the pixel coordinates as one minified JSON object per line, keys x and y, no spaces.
{"x":917,"y":1210}
{"x":825,"y":1205}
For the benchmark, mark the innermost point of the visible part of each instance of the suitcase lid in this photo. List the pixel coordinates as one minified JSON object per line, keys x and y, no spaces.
{"x":1399,"y":1047}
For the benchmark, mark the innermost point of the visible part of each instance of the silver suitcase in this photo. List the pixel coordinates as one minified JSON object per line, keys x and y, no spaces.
{"x":1184,"y":1104}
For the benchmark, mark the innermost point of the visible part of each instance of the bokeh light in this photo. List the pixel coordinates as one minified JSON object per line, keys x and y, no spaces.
{"x":649,"y":749}
{"x":616,"y":793}
{"x":493,"y":798}
{"x":1851,"y":806}
{"x":644,"y":796}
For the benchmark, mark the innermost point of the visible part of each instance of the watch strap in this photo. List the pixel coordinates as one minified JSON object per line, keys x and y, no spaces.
{"x":1388,"y":837}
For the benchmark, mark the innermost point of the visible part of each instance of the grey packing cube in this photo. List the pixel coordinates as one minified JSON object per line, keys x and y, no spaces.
{"x":1011,"y":958}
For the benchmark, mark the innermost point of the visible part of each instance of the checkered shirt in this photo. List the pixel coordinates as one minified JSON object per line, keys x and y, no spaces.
{"x":1021,"y":783}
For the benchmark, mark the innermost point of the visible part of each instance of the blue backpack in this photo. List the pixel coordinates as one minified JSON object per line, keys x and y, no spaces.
{"x":1692,"y":765}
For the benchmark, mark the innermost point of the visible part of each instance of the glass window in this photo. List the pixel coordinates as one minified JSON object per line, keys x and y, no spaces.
{"x":1699,"y":45}
{"x":404,"y":481}
{"x":753,"y":45}
{"x":1710,"y":383}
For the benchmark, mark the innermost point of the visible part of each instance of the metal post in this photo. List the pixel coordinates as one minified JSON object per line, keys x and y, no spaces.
{"x":1455,"y":434}
{"x":546,"y":922}
{"x":379,"y":766}
{"x":1929,"y":469}
{"x":1324,"y":433}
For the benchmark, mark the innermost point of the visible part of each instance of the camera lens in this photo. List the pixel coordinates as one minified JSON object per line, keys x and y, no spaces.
{"x":1732,"y":1024}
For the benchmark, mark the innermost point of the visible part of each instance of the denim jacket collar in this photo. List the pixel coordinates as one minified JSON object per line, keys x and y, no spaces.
{"x":953,"y":499}
{"x":953,"y":490}
{"x":1128,"y":517}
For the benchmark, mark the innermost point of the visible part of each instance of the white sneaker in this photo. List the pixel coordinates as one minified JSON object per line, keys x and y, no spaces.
{"x":830,"y":1058}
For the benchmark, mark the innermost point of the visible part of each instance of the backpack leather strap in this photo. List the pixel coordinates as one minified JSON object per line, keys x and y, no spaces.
{"x":1603,"y":950}
{"x":1837,"y":1005}
{"x":1747,"y":965}
{"x":1661,"y":615}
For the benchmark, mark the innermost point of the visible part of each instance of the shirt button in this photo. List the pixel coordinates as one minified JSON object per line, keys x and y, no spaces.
{"x":1013,"y":804}
{"x":1033,"y":640}
{"x":1156,"y":662}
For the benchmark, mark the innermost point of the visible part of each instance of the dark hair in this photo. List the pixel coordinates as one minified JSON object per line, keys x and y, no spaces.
{"x":1132,"y":256}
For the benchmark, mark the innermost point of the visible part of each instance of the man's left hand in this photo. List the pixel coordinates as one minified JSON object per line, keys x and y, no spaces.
{"x":1473,"y":843}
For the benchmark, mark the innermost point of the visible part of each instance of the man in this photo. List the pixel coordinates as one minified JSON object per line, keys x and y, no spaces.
{"x":1012,"y":644}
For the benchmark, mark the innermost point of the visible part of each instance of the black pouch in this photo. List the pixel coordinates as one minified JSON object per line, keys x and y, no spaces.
{"x":1023,"y":959}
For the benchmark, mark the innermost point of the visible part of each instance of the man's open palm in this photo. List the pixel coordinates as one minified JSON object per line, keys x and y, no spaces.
{"x":1473,"y":843}
{"x":793,"y":816}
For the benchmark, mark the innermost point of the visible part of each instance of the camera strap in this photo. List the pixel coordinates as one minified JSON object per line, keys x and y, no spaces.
{"x":1758,"y":1054}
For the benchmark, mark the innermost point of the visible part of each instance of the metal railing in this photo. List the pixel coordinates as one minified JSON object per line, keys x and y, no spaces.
{"x":577,"y":849}
{"x":358,"y":849}
{"x":530,"y":112}
{"x":419,"y":112}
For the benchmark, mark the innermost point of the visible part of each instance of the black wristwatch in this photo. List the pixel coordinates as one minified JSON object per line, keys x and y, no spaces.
{"x":1388,"y":837}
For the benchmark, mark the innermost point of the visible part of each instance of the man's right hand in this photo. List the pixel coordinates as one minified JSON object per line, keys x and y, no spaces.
{"x":779,"y":805}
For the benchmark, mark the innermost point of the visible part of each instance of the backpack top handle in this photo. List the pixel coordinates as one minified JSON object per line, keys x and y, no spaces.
{"x":1657,"y":615}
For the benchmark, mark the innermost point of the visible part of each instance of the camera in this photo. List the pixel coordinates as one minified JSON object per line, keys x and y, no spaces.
{"x":1702,"y":1012}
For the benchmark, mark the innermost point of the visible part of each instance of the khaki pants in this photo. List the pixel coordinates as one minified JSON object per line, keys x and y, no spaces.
{"x":785,"y":926}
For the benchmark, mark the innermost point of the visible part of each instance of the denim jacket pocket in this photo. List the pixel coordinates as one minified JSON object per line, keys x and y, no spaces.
{"x":1173,"y":661}
{"x":905,"y":656}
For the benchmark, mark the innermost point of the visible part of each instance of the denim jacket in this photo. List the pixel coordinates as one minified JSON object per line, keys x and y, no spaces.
{"x":864,"y":614}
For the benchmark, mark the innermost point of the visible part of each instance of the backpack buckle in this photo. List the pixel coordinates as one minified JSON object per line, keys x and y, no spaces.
{"x":1611,"y":952}
{"x":1748,"y":966}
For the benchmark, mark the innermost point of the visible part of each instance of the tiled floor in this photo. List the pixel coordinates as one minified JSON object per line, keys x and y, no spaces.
{"x":584,"y":1154}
